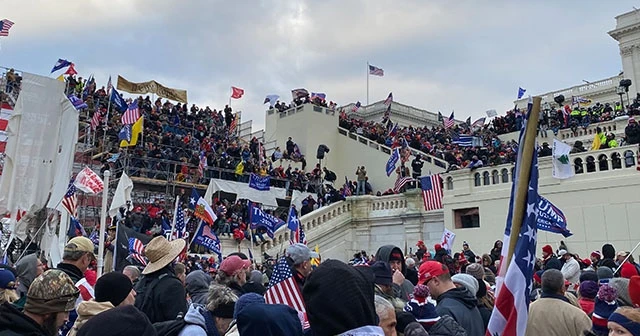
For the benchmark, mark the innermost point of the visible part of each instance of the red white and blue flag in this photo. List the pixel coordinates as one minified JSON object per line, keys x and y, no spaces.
{"x":179,"y":231}
{"x":201,"y":208}
{"x":400,"y":183}
{"x":448,"y":123}
{"x":5,"y":25}
{"x":135,"y":251}
{"x":283,"y":289}
{"x":374,"y":70}
{"x":389,"y":99}
{"x":431,"y":192}
{"x":70,"y":200}
{"x":297,"y":234}
{"x":132,"y":114}
{"x":514,"y":281}
{"x":346,"y":191}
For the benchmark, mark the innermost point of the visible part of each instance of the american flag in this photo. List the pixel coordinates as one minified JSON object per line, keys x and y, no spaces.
{"x":374,"y":70}
{"x":203,"y":163}
{"x":514,"y":283}
{"x":180,"y":225}
{"x":283,"y":289}
{"x":132,"y":114}
{"x":400,"y":182}
{"x":356,"y":107}
{"x":448,"y":123}
{"x":70,"y":200}
{"x":389,"y":99}
{"x":95,"y":120}
{"x":431,"y":192}
{"x":234,"y":124}
{"x":5,"y":26}
{"x":135,"y":251}
{"x":347,"y":188}
{"x":297,"y":234}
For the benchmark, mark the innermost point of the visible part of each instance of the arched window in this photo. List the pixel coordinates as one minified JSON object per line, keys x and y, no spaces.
{"x":603,"y":162}
{"x":591,"y":164}
{"x":476,"y":180}
{"x":449,"y":183}
{"x":505,"y":175}
{"x":577,"y":166}
{"x":495,"y":177}
{"x":616,"y":162}
{"x":486,"y":180}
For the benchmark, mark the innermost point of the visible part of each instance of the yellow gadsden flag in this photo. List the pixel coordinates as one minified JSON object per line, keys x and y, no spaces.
{"x":136,"y":131}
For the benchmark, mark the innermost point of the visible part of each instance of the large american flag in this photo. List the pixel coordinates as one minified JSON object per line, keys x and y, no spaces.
{"x":514,"y":281}
{"x":283,"y":289}
{"x":180,"y":225}
{"x":374,"y":70}
{"x":346,"y":190}
{"x":132,"y":114}
{"x":135,"y":251}
{"x":448,"y":123}
{"x":400,"y":182}
{"x":431,"y":192}
{"x":70,"y":200}
{"x":95,"y":120}
{"x":5,"y":25}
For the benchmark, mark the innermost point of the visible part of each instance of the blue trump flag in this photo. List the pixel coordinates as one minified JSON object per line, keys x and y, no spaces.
{"x":551,"y":219}
{"x":259,"y":182}
{"x":77,"y":102}
{"x":60,"y":64}
{"x":260,"y":219}
{"x":125,"y":133}
{"x":118,"y":101}
{"x":521,"y":92}
{"x":206,"y":237}
{"x":391,"y":164}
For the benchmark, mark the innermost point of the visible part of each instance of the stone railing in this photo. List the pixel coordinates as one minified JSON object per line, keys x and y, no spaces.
{"x":385,"y":149}
{"x":620,"y":158}
{"x":298,"y":109}
{"x":615,"y":126}
{"x":402,"y":109}
{"x":585,"y":90}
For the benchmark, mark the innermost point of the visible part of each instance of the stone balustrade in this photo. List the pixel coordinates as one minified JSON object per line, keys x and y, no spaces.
{"x":298,"y":109}
{"x":387,"y":150}
{"x":585,"y":135}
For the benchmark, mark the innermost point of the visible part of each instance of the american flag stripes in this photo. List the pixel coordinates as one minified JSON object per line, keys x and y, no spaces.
{"x":514,"y":281}
{"x":400,"y":182}
{"x":431,"y":192}
{"x":374,"y":70}
{"x":283,"y":289}
{"x":95,"y":120}
{"x":449,"y":122}
{"x":6,"y":111}
{"x":346,"y":191}
{"x":135,"y":251}
{"x":234,"y":124}
{"x":132,"y":114}
{"x":70,"y":200}
{"x":180,"y":224}
{"x":5,"y":25}
{"x":389,"y":99}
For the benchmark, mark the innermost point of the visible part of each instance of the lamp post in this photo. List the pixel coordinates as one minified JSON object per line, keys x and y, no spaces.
{"x":620,"y":92}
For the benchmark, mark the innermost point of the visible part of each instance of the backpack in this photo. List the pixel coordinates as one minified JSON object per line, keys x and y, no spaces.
{"x":144,"y":297}
{"x":170,"y":328}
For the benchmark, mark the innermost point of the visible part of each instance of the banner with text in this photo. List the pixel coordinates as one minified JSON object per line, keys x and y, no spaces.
{"x":152,"y":87}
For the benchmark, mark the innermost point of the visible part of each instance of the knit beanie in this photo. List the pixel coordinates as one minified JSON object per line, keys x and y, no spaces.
{"x":634,"y":290}
{"x":589,"y":275}
{"x":547,"y":249}
{"x":468,"y":281}
{"x":424,"y":311}
{"x":246,"y":300}
{"x":476,"y":270}
{"x":622,"y":286}
{"x":588,"y":289}
{"x":125,"y":320}
{"x":382,"y":273}
{"x":604,"y":274}
{"x":113,"y":287}
{"x":333,"y":309}
{"x":605,"y":305}
{"x":7,"y":279}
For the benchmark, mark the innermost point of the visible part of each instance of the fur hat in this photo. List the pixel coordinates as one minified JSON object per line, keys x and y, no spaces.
{"x":606,"y":304}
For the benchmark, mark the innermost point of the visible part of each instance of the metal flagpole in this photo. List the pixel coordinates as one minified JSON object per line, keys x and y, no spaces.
{"x":106,"y":123}
{"x":173,"y":221}
{"x":627,"y":258}
{"x":103,"y":223}
{"x":367,"y":82}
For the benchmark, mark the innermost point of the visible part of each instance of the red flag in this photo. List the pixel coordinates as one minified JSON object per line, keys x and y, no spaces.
{"x":236,"y":92}
{"x":71,"y":70}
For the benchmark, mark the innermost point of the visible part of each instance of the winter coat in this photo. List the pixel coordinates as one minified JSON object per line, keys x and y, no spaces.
{"x":199,"y":322}
{"x":587,"y":305}
{"x":27,"y":269}
{"x":446,"y":326}
{"x":383,"y":254}
{"x":168,"y":298}
{"x":552,"y":263}
{"x":415,"y":329}
{"x":87,"y":310}
{"x":632,"y":134}
{"x":14,"y":323}
{"x":551,"y":316}
{"x":460,"y":304}
{"x":197,"y":285}
{"x":571,"y":271}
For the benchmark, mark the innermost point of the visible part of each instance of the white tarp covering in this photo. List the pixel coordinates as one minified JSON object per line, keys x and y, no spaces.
{"x":298,"y":196}
{"x":243,"y":191}
{"x":68,"y":138}
{"x":32,"y":146}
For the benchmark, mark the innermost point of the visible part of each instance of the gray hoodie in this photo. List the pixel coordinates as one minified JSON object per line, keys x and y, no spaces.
{"x":384,"y":254}
{"x":196,"y":325}
{"x":197,"y":285}
{"x":27,"y":268}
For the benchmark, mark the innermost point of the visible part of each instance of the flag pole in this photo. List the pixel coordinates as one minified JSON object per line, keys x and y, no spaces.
{"x":103,"y":223}
{"x":106,"y":122}
{"x":524,"y":173}
{"x":367,"y":82}
{"x":173,"y":221}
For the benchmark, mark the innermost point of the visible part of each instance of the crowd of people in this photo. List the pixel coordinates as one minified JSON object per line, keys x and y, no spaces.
{"x":389,"y":293}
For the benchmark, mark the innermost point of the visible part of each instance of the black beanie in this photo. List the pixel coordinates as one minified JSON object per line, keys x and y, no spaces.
{"x":113,"y":287}
{"x":333,"y":309}
{"x":125,"y":320}
{"x":588,"y":275}
{"x":382,"y":272}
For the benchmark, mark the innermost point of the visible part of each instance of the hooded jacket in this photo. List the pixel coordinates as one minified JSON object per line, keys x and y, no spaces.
{"x":199,"y":322}
{"x":608,"y":254}
{"x":197,"y":285}
{"x":87,"y":310}
{"x":460,"y":304}
{"x":384,"y":254}
{"x":27,"y":268}
{"x":446,"y":326}
{"x":14,"y":323}
{"x":262,"y":319}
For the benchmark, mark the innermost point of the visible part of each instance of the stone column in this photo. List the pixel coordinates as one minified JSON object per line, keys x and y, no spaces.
{"x":627,"y":33}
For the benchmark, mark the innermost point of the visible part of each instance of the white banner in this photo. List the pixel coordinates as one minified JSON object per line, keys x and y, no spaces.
{"x":64,"y":158}
{"x":122,"y":195}
{"x":243,"y":191}
{"x":562,"y":166}
{"x":88,"y":181}
{"x":448,"y":238}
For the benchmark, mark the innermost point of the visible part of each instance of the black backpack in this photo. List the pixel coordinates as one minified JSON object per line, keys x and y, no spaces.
{"x":144,"y":297}
{"x":170,"y":328}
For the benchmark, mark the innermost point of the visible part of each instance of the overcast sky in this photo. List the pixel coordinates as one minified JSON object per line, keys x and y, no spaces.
{"x":468,"y":56}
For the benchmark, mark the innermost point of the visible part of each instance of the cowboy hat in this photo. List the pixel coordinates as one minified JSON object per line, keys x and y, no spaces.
{"x":161,"y":252}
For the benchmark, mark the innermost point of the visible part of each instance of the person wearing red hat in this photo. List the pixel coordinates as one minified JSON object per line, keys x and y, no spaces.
{"x":549,"y":260}
{"x":422,"y":250}
{"x":595,"y":258}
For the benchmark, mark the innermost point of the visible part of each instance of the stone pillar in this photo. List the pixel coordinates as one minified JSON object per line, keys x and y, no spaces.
{"x":627,"y":33}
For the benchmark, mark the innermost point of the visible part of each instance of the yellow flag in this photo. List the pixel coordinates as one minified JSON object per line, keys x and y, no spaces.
{"x":316,"y":261}
{"x":136,"y":130}
{"x":596,"y":142}
{"x":60,"y":78}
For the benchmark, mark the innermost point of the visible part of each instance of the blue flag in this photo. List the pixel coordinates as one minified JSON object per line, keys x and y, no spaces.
{"x":521,"y":92}
{"x":259,"y":182}
{"x":260,"y":219}
{"x":391,"y":164}
{"x":125,"y":133}
{"x":77,"y":102}
{"x":60,"y":64}
{"x":76,"y":229}
{"x":294,"y":222}
{"x":193,"y":200}
{"x":118,"y":101}
{"x":85,"y":91}
{"x":551,"y":219}
{"x":206,"y":237}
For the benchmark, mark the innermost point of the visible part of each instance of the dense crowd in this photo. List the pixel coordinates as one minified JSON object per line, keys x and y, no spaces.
{"x":435,"y":292}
